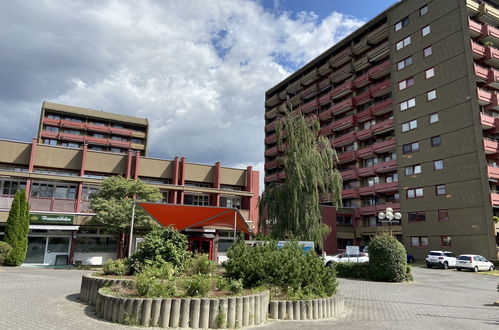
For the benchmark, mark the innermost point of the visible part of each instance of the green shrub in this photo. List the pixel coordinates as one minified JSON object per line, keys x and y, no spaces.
{"x":288,"y":268}
{"x":408,"y":274}
{"x":198,"y":285}
{"x":387,"y":259}
{"x":5,"y":249}
{"x":117,"y":267}
{"x":16,"y":233}
{"x":495,"y":262}
{"x":235,"y":286}
{"x":159,"y":245}
{"x":200,"y":264}
{"x":154,"y":282}
{"x":352,"y":269}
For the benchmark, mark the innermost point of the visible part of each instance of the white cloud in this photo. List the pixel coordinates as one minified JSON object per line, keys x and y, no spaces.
{"x":198,"y":70}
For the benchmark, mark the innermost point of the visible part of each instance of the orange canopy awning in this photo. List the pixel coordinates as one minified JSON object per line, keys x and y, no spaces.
{"x":189,"y":216}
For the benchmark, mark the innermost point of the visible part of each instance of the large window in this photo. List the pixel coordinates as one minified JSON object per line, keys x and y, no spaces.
{"x":88,"y":192}
{"x":410,"y":148}
{"x":414,"y":193}
{"x":53,"y":190}
{"x":400,"y":24}
{"x":407,"y":104}
{"x":411,"y":170}
{"x":197,"y":184}
{"x":230,"y":201}
{"x":403,"y":43}
{"x":9,"y":187}
{"x":203,"y":200}
{"x":419,"y":241}
{"x":96,"y":244}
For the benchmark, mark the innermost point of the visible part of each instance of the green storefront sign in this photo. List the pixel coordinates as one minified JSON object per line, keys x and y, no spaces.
{"x":51,"y":218}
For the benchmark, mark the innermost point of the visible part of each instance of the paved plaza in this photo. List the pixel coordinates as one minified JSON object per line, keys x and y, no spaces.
{"x":34,"y":298}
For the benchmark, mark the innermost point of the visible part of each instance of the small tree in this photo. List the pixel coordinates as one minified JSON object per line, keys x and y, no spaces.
{"x":387,"y":259}
{"x":292,"y":207}
{"x":16,"y":233}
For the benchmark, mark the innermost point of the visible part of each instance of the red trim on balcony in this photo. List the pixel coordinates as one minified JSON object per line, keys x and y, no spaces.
{"x":364,"y":134}
{"x":343,"y":123}
{"x":481,"y":72}
{"x":343,"y":106}
{"x":383,"y":207}
{"x":342,"y":90}
{"x":325,"y":98}
{"x":365,"y":152}
{"x":484,"y":97}
{"x":386,"y":187}
{"x":271,"y":139}
{"x":344,"y":140}
{"x":384,"y":126}
{"x":50,"y":121}
{"x":478,"y":50}
{"x":491,"y":56}
{"x":382,"y":107}
{"x":487,"y":121}
{"x":493,"y":172}
{"x":379,"y":70}
{"x":493,"y":78}
{"x":270,"y":126}
{"x":50,"y":135}
{"x":271,"y":151}
{"x":366,"y":191}
{"x":364,"y":115}
{"x":350,"y":174}
{"x":120,"y":144}
{"x":363,"y":98}
{"x":350,"y":193}
{"x":366,"y":171}
{"x":72,"y":124}
{"x":346,"y":157}
{"x":494,"y":199}
{"x":97,"y":128}
{"x":120,"y":131}
{"x":489,"y":32}
{"x":272,"y":177}
{"x":490,"y":146}
{"x":326,"y":129}
{"x":362,"y":81}
{"x":367,"y":210}
{"x":494,"y":103}
{"x":475,"y":28}
{"x":325,"y":115}
{"x":71,"y":137}
{"x":381,"y":88}
{"x":94,"y":140}
{"x":384,"y":146}
{"x":385,"y":167}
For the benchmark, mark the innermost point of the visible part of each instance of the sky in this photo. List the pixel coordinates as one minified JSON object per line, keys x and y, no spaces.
{"x":197,"y":69}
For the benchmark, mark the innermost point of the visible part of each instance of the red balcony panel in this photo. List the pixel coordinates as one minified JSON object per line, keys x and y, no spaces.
{"x":64,"y":205}
{"x":343,"y":123}
{"x":342,"y":106}
{"x":383,"y":207}
{"x":362,"y":80}
{"x":341,"y":57}
{"x":493,"y":172}
{"x":344,"y":140}
{"x":120,"y":144}
{"x":493,"y":78}
{"x":50,"y":135}
{"x":385,"y":167}
{"x":271,"y":164}
{"x":475,"y":28}
{"x":346,"y":157}
{"x":71,"y":137}
{"x":271,"y":178}
{"x":494,"y":199}
{"x":97,"y":128}
{"x":379,"y":70}
{"x":490,"y":33}
{"x":363,"y":98}
{"x":309,"y":106}
{"x":342,"y":73}
{"x":384,"y":126}
{"x":365,"y":152}
{"x":494,"y":103}
{"x":481,"y":72}
{"x":271,"y":139}
{"x":364,"y":115}
{"x":350,"y":193}
{"x":487,"y":121}
{"x":492,"y":56}
{"x":367,"y":210}
{"x":342,"y":90}
{"x":350,"y":174}
{"x":94,"y":140}
{"x":490,"y":146}
{"x":379,"y":52}
{"x":366,"y":171}
{"x":50,"y":121}
{"x":478,"y":50}
{"x":325,"y":98}
{"x":382,"y":107}
{"x":384,"y":146}
{"x":484,"y":97}
{"x":364,"y":134}
{"x":281,"y":175}
{"x":387,"y":187}
{"x":325,"y":115}
{"x":72,"y":124}
{"x":120,"y":131}
{"x":381,"y":88}
{"x":326,"y":129}
{"x":366,"y":191}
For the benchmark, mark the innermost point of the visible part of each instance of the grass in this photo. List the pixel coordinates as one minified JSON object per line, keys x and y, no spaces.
{"x":492,"y":273}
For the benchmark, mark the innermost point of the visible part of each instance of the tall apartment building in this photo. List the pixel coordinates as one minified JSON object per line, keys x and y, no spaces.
{"x":69,"y":126}
{"x":409,"y":101}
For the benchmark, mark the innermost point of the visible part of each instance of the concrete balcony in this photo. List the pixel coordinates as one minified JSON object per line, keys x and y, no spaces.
{"x":309,"y":78}
{"x":366,"y":191}
{"x":475,"y":28}
{"x":342,"y":73}
{"x":493,"y":78}
{"x":270,"y":126}
{"x":473,"y":7}
{"x":488,"y":14}
{"x":271,"y":139}
{"x":271,"y":177}
{"x":384,"y":146}
{"x":494,"y":103}
{"x":325,"y":115}
{"x":137,"y":146}
{"x":492,"y":56}
{"x":361,"y":45}
{"x":484,"y":97}
{"x":481,"y":72}
{"x":346,"y":157}
{"x":362,"y":81}
{"x":379,"y":52}
{"x":98,"y":141}
{"x":52,"y":204}
{"x":350,"y":193}
{"x":310,"y":106}
{"x":361,"y":63}
{"x":72,"y":124}
{"x":343,"y":106}
{"x":379,"y":70}
{"x":382,"y":207}
{"x":487,"y":121}
{"x":477,"y":50}
{"x":490,"y":146}
{"x":72,"y":137}
{"x":382,"y":107}
{"x":344,"y":140}
{"x":120,"y":144}
{"x":138,"y":134}
{"x":493,"y":172}
{"x":367,"y":210}
{"x":341,"y":57}
{"x":490,"y":33}
{"x":308,"y":92}
{"x":52,"y":122}
{"x":364,"y":115}
{"x":494,"y":199}
{"x":383,"y":127}
{"x":50,"y":135}
{"x":350,"y":174}
{"x":342,"y":90}
{"x":272,"y":101}
{"x":281,"y":175}
{"x":272,"y":113}
{"x":343,"y":123}
{"x":365,"y":152}
{"x":325,"y":98}
{"x":387,"y":187}
{"x":271,"y":151}
{"x":363,"y":98}
{"x":366,"y":171}
{"x":385,"y":167}
{"x":97,"y":128}
{"x":324,"y":69}
{"x":364,"y":134}
{"x":381,"y":88}
{"x":378,"y":34}
{"x":120,"y":131}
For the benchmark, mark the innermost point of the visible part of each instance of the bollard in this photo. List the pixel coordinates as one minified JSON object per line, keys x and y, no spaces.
{"x":231,"y":312}
{"x":166,"y":307}
{"x":194,"y":313}
{"x":214,"y":304}
{"x":184,"y":312}
{"x":204,"y":317}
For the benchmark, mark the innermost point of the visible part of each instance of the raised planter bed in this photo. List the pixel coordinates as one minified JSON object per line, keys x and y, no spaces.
{"x":313,"y":309}
{"x":90,"y":285}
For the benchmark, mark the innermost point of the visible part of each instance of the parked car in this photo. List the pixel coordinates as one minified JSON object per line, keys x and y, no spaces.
{"x":343,"y":257}
{"x":442,"y":259}
{"x":473,"y":262}
{"x":410,"y":258}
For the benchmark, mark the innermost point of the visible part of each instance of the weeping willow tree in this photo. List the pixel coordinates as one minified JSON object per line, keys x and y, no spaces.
{"x":292,"y":207}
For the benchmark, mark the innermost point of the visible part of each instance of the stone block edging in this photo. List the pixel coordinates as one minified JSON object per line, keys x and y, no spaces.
{"x":90,"y":286}
{"x":312,"y":309}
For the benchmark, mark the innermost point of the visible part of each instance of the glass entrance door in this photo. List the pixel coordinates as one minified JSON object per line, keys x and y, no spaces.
{"x":58,"y":250}
{"x":36,"y":250}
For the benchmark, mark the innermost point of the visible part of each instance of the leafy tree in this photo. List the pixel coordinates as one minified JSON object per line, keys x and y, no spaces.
{"x":292,"y":207}
{"x":387,"y":259}
{"x":114,"y":202}
{"x":16,"y":233}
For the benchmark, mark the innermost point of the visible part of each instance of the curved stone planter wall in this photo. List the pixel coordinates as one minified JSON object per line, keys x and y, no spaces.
{"x":185,"y":312}
{"x":90,"y":286}
{"x":313,"y":309}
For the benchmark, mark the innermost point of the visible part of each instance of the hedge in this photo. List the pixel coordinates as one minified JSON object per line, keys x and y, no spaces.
{"x":387,"y":259}
{"x":352,"y":270}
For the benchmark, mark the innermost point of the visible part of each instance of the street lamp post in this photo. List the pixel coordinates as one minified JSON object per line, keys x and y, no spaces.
{"x":389,"y":216}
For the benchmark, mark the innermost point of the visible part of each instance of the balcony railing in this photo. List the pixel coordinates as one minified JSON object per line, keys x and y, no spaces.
{"x":325,"y":115}
{"x":342,"y":90}
{"x":350,"y":174}
{"x":94,"y":140}
{"x":344,"y":139}
{"x":484,"y":97}
{"x":367,"y":210}
{"x":382,"y":207}
{"x":472,"y":6}
{"x":379,"y":52}
{"x":72,"y":137}
{"x":52,"y":204}
{"x":490,"y":33}
{"x":381,"y":88}
{"x":493,"y":78}
{"x":487,"y":121}
{"x":325,"y":98}
{"x":475,"y":28}
{"x":363,"y":98}
{"x":490,"y":146}
{"x":361,"y":46}
{"x":386,"y":187}
{"x":379,"y":70}
{"x":365,"y":152}
{"x":361,"y":63}
{"x":342,"y":73}
{"x":120,"y":144}
{"x":50,"y":121}
{"x":364,"y":115}
{"x":271,"y":114}
{"x":366,"y":171}
{"x":494,"y":199}
{"x":384,"y":126}
{"x":271,"y":139}
{"x":72,"y":124}
{"x":343,"y":123}
{"x":477,"y":50}
{"x":50,"y":135}
{"x":385,"y":167}
{"x":494,"y":103}
{"x":493,"y":172}
{"x":364,"y":134}
{"x":378,"y":34}
{"x":488,"y":13}
{"x":481,"y":72}
{"x":492,"y":56}
{"x":366,"y":191}
{"x":342,"y":106}
{"x":342,"y":57}
{"x":362,"y":80}
{"x":347,"y":156}
{"x":350,"y":193}
{"x":271,"y":151}
{"x":271,"y":177}
{"x":384,"y":146}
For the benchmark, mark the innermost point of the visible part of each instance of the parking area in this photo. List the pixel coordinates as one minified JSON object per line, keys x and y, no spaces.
{"x":33,"y":298}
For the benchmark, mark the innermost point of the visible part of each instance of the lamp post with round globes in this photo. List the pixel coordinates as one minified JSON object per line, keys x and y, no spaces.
{"x":389,"y":216}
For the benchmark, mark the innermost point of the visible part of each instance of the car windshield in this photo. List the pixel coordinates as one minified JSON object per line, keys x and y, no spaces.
{"x":436,"y":254}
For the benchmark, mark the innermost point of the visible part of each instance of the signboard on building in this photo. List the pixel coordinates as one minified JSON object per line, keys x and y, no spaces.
{"x":352,"y":250}
{"x":51,"y":218}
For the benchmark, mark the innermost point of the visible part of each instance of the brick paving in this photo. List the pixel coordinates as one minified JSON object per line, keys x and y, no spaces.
{"x":34,"y":298}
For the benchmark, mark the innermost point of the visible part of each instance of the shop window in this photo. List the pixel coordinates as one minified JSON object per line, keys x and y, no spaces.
{"x":96,"y":244}
{"x":9,"y":187}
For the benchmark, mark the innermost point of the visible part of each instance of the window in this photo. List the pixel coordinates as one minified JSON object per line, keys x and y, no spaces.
{"x":443,"y":215}
{"x":433,"y":118}
{"x":9,"y":187}
{"x":88,"y":192}
{"x":403,"y":43}
{"x":344,"y":220}
{"x":137,"y":141}
{"x":416,"y":216}
{"x":52,"y":190}
{"x":404,"y":63}
{"x":445,"y":240}
{"x":96,"y":244}
{"x":400,"y":24}
{"x":425,"y":31}
{"x":118,"y":150}
{"x":423,"y":10}
{"x":414,"y":169}
{"x":440,"y":189}
{"x":70,"y":144}
{"x":436,"y":141}
{"x":392,"y":178}
{"x":438,"y":165}
{"x":50,"y":142}
{"x":431,"y":95}
{"x":371,"y":181}
{"x":51,"y":129}
{"x":414,"y":192}
{"x":197,"y":184}
{"x":429,"y":73}
{"x":52,"y":116}
{"x":202,"y":200}
{"x":407,"y":104}
{"x":419,"y":241}
{"x":413,"y":124}
{"x":410,"y":148}
{"x":406,"y":83}
{"x":230,"y":201}
{"x":427,"y":51}
{"x":98,"y":135}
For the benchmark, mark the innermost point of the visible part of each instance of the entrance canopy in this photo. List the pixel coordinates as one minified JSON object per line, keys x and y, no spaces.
{"x":188,"y":216}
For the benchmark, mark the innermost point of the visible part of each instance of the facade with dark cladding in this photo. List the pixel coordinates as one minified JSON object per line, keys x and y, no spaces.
{"x":409,"y":102}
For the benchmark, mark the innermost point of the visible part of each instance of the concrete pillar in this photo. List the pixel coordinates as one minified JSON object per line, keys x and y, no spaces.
{"x":137,"y":310}
{"x":175,"y":313}
{"x":289,"y":310}
{"x":303,"y":310}
{"x":223,"y":309}
{"x":258,"y":308}
{"x":274,"y":310}
{"x":204,"y":317}
{"x":251,"y":309}
{"x":146,"y":312}
{"x":194,"y":313}
{"x":296,"y":310}
{"x":246,"y":311}
{"x":315,"y":307}
{"x":129,"y":308}
{"x":239,"y":312}
{"x":310,"y":310}
{"x":282,"y":310}
{"x":116,"y":307}
{"x":155,"y":312}
{"x":214,"y":304}
{"x":166,"y":307}
{"x":184,"y":312}
{"x":231,"y":312}
{"x":121,"y":310}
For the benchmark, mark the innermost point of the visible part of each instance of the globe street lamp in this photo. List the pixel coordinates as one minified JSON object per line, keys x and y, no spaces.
{"x":389,"y":216}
